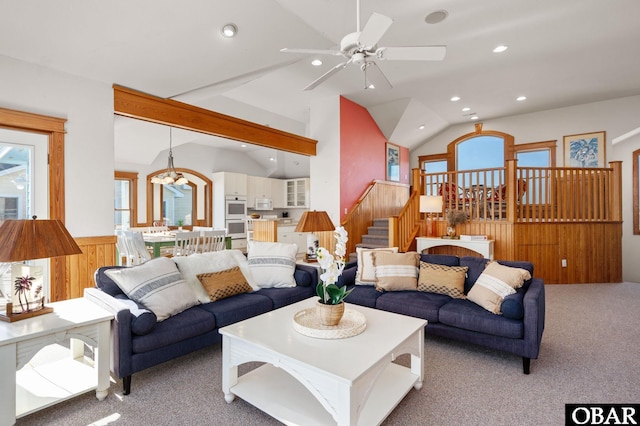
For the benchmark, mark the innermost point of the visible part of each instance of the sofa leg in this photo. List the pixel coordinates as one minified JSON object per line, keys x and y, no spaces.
{"x":126,"y":384}
{"x":526,"y":365}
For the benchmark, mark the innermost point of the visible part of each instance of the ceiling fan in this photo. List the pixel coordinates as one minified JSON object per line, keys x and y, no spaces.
{"x":361,"y":48}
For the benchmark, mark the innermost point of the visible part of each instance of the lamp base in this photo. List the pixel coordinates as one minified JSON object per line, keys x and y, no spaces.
{"x":8,"y":316}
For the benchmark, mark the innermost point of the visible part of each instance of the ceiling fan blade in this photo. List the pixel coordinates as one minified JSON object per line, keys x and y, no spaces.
{"x":374,"y":29}
{"x":412,"y":53}
{"x":326,"y":75}
{"x":375,"y":76}
{"x":312,"y":51}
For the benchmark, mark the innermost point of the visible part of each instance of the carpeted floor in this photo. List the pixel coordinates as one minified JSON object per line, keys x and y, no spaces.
{"x":589,"y":355}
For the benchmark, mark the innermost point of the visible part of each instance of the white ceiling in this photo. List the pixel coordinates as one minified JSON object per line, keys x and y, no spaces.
{"x":561,"y":53}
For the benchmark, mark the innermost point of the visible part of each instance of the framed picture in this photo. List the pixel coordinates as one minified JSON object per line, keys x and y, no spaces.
{"x":585,"y":150}
{"x":393,"y":162}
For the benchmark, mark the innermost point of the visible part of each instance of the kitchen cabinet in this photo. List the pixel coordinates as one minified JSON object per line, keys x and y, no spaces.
{"x":278,"y":193}
{"x":297,"y":192}
{"x":260,"y":187}
{"x":229,"y":183}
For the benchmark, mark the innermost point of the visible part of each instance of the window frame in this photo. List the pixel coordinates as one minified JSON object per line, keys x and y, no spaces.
{"x":132,"y":177}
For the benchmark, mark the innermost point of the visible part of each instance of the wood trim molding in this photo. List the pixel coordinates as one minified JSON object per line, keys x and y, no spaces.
{"x":509,"y":152}
{"x":636,"y":196}
{"x":134,"y":104}
{"x":133,"y":178}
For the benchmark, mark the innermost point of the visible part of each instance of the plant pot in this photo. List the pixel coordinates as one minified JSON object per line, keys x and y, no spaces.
{"x":330,"y":314}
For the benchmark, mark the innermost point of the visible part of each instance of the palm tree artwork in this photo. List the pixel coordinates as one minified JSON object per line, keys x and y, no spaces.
{"x":22,"y":288}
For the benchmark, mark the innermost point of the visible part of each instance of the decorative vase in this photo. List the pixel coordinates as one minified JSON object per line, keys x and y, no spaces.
{"x":451,"y":232}
{"x":330,"y":314}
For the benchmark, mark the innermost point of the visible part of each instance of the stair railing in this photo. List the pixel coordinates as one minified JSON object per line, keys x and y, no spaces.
{"x":404,"y":228}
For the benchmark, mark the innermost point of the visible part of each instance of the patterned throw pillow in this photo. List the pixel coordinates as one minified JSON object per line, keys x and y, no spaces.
{"x":227,"y":283}
{"x":396,"y":271}
{"x":495,"y":283}
{"x":442,"y":279}
{"x":366,"y":274}
{"x":158,"y":285}
{"x":272,"y":264}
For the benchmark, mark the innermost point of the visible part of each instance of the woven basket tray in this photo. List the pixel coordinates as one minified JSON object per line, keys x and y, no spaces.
{"x":308,"y":323}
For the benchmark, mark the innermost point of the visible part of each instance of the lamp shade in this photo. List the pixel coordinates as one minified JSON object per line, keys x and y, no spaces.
{"x":315,"y":221}
{"x":430,"y":204}
{"x":35,"y":239}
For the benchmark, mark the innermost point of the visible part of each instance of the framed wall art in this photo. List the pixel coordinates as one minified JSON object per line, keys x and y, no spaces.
{"x":393,"y":162}
{"x":585,"y":150}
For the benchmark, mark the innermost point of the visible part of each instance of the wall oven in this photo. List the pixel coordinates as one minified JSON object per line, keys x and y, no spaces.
{"x":235,"y":207}
{"x":236,"y":228}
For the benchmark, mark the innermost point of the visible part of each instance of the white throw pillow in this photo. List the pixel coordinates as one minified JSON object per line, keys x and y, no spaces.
{"x":214,"y":261}
{"x":366,"y":274}
{"x":158,"y":285}
{"x":272,"y":264}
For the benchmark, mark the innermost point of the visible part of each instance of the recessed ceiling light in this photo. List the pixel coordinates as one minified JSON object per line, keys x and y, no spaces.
{"x":465,"y":109}
{"x":474,"y":117}
{"x":500,"y":49}
{"x":421,"y":127}
{"x":272,"y":159}
{"x":316,"y":62}
{"x":521,"y":98}
{"x":244,"y":145}
{"x":455,"y":98}
{"x":436,"y":17}
{"x":371,"y":86}
{"x":229,"y":30}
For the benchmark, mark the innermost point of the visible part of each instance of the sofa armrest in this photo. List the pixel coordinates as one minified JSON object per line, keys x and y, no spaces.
{"x":121,"y":336}
{"x":306,"y":275}
{"x":348,"y":276}
{"x":534,"y":316}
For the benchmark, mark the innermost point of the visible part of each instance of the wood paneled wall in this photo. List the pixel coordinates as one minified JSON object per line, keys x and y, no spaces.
{"x":96,"y":252}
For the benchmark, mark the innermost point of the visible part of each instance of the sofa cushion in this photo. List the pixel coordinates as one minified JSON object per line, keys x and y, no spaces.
{"x":285,"y":296}
{"x":396,"y":271}
{"x":476,"y":265}
{"x":272,"y":264}
{"x":158,"y":285}
{"x":442,"y":279}
{"x":143,"y":320}
{"x":413,"y":303}
{"x":223,"y":284}
{"x":467,"y":315}
{"x":363,"y":295}
{"x":237,"y":308}
{"x":513,"y":306}
{"x":366,"y":272}
{"x":190,"y":323}
{"x":495,"y":283}
{"x":106,"y":284}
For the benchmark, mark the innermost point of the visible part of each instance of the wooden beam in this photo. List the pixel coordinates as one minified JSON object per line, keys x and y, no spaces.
{"x":141,"y":106}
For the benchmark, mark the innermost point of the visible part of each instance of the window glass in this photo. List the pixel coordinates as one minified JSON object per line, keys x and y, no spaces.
{"x":177,"y":204}
{"x":122,"y":204}
{"x":434,"y":166}
{"x":481,"y":152}
{"x":533,"y":158}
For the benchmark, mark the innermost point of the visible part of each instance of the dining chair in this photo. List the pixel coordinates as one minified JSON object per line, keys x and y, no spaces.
{"x":157,"y":229}
{"x":186,"y":243}
{"x":137,"y":250}
{"x":212,"y":241}
{"x":452,"y":196}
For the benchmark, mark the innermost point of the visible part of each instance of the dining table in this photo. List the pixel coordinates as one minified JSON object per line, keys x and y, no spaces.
{"x":157,"y":240}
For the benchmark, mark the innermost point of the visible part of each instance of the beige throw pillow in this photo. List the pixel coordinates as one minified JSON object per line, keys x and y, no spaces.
{"x":495,"y":283}
{"x":442,"y":279}
{"x":396,"y":271}
{"x":227,"y":283}
{"x":366,"y":273}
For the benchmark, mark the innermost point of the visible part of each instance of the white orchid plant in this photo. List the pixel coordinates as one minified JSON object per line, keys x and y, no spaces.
{"x":332,"y":266}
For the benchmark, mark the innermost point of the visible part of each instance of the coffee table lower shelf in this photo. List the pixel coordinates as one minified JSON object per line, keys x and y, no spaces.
{"x":296,"y":405}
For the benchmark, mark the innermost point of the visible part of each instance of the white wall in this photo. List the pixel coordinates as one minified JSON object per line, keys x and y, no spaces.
{"x":616,"y":117}
{"x":88,"y":107}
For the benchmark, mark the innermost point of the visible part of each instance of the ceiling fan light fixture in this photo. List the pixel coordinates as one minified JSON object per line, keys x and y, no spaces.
{"x":229,"y":30}
{"x":436,"y":17}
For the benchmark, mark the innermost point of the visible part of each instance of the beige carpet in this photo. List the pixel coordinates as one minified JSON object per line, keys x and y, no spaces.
{"x":589,"y":354}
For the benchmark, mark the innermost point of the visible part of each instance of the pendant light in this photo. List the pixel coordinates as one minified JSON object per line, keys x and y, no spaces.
{"x":170,"y":176}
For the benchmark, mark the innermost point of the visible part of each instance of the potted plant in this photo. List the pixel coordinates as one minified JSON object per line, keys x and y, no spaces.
{"x":331,"y":297}
{"x":454,"y":218}
{"x":180,"y":223}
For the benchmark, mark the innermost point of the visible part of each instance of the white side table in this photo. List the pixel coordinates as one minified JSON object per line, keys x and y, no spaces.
{"x":35,"y":388}
{"x":484,"y":247}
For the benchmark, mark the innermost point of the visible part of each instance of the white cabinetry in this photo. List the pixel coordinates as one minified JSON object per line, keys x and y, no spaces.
{"x":278,"y":193}
{"x":228,"y":183}
{"x":287,"y":234}
{"x":297,"y":192}
{"x":261,"y":187}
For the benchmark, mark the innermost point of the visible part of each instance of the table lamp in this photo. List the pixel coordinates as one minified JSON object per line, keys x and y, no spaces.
{"x":430,"y":204}
{"x":30,"y":239}
{"x":314,"y":221}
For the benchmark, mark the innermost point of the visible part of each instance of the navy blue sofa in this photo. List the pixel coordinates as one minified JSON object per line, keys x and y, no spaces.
{"x":519,"y":333}
{"x":140,"y":342}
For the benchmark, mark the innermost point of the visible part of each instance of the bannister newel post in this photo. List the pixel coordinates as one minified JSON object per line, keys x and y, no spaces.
{"x":512,"y":190}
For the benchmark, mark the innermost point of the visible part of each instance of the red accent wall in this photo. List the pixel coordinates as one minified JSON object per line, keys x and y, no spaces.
{"x":362,"y":153}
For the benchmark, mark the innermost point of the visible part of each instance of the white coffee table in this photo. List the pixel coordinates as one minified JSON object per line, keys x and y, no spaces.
{"x":28,"y":389}
{"x":314,"y":381}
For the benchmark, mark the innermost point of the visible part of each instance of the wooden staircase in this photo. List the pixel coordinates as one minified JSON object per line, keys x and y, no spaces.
{"x":377,"y":236}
